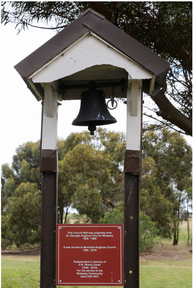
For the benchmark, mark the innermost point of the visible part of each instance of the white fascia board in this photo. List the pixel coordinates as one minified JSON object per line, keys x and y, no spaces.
{"x":86,"y":52}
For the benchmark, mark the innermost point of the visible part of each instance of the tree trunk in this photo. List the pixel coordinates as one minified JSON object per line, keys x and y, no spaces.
{"x":176,"y":231}
{"x":188,"y":228}
{"x":66,"y":216}
{"x":60,"y":218}
{"x":175,"y":241}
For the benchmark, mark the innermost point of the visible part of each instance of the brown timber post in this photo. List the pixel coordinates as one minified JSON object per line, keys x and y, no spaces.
{"x":131,"y":229}
{"x":48,"y":236}
{"x":49,"y":177}
{"x":132,"y":174}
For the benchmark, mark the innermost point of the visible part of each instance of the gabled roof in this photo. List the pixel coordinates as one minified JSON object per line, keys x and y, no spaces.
{"x":96,"y":23}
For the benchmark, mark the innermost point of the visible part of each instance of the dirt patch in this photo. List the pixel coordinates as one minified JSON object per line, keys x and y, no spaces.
{"x":166,"y":251}
{"x":184,"y":224}
{"x":21,"y":252}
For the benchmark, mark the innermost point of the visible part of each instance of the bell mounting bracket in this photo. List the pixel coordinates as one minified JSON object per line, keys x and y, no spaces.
{"x":62,"y":87}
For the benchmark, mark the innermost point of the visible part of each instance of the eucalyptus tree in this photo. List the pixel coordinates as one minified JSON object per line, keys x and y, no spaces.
{"x":21,"y":223}
{"x":91,"y":177}
{"x":167,"y":168}
{"x":91,"y":173}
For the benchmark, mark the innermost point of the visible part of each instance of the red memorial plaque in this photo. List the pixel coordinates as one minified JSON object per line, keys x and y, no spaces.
{"x":90,"y":254}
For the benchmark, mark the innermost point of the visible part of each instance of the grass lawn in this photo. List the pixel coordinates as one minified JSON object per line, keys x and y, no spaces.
{"x":20,"y":271}
{"x":167,"y":277}
{"x":24,"y":271}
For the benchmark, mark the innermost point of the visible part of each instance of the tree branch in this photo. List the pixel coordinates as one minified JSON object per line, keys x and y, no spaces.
{"x":170,"y":113}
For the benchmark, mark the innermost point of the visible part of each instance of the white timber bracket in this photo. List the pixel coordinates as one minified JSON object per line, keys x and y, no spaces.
{"x":133,"y":128}
{"x":134,"y":106}
{"x":49,"y":129}
{"x":48,"y":99}
{"x":134,"y":98}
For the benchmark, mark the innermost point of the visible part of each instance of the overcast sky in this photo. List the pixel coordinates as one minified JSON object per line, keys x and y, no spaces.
{"x":20,"y":111}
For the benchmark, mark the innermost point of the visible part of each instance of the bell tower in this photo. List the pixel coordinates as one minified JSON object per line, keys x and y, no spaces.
{"x":92,"y":49}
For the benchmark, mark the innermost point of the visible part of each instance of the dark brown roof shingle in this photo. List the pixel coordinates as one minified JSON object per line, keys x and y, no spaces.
{"x":96,"y":23}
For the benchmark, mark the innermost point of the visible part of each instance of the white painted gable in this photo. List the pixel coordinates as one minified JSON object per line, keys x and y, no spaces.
{"x":88,"y":51}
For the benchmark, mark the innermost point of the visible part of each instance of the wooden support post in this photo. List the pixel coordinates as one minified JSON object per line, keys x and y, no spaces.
{"x":49,"y":175}
{"x":48,"y":236}
{"x":132,"y":170}
{"x":131,"y":227}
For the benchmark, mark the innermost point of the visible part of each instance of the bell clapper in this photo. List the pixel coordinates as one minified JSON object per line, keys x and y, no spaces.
{"x":91,"y":128}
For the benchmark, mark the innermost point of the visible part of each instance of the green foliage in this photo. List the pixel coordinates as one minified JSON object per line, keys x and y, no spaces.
{"x":28,"y":173}
{"x":90,"y":178}
{"x":152,"y":199}
{"x":86,"y":177}
{"x":115,"y":217}
{"x":8,"y":184}
{"x":147,"y":234}
{"x":87,"y":200}
{"x":92,"y":165}
{"x":22,"y":220}
{"x":165,"y":182}
{"x":6,"y":173}
{"x":25,"y":168}
{"x":159,"y":209}
{"x":9,"y":187}
{"x":172,"y":156}
{"x":28,"y":152}
{"x":71,"y":141}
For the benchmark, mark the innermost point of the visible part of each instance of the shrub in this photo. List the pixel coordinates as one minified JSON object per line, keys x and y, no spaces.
{"x":116,"y":217}
{"x":147,"y":234}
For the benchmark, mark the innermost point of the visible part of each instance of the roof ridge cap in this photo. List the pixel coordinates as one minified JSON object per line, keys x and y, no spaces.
{"x":89,"y":10}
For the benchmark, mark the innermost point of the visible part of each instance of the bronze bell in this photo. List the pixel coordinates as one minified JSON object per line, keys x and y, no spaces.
{"x":93,"y":111}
